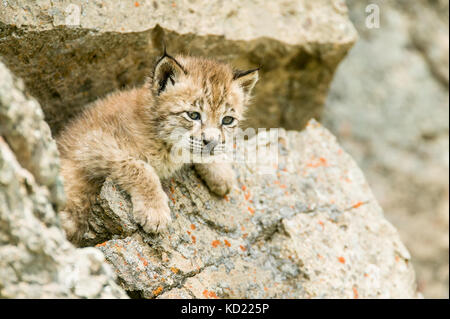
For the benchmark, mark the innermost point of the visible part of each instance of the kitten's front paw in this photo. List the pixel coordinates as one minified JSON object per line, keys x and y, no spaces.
{"x":153,"y":215}
{"x":221,"y":186}
{"x":220,"y":180}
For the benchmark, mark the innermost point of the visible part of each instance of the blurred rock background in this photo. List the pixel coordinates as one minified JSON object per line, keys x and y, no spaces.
{"x":389,"y":107}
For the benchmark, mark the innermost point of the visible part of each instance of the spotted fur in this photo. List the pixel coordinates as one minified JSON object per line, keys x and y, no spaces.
{"x":128,"y":136}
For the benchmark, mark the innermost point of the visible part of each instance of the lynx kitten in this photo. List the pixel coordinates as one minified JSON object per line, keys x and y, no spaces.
{"x":128,"y":136}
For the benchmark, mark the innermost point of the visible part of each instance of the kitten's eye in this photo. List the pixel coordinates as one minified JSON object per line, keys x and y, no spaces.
{"x":227,"y":120}
{"x":194,"y":115}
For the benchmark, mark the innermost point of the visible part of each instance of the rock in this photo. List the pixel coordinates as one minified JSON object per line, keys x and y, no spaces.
{"x":36,"y":260}
{"x":388,"y":106}
{"x":430,"y":36}
{"x":23,"y":126}
{"x":308,"y":227}
{"x":70,"y":54}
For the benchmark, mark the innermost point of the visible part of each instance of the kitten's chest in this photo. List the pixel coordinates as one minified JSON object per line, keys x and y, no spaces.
{"x":163,"y":164}
{"x":167,"y":169}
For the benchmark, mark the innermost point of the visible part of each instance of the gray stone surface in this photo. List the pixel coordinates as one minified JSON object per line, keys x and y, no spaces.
{"x":23,"y":126}
{"x":36,"y":260}
{"x":67,"y":63}
{"x":389,"y":107}
{"x":308,"y":227}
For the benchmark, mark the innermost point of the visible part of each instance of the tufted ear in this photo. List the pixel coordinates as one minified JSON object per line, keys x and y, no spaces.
{"x":167,"y":72}
{"x":246,"y":80}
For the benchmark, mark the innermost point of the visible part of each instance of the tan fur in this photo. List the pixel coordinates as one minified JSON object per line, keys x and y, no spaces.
{"x":127,"y":136}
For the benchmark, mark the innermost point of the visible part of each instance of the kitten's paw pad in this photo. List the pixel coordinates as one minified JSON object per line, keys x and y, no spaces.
{"x":221,"y":187}
{"x":153,"y":217}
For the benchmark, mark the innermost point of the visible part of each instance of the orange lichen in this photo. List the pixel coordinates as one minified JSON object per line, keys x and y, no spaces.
{"x":194,"y":240}
{"x":175,"y":270}
{"x":251,"y":210}
{"x":226,"y":198}
{"x":242,"y":248}
{"x":215,"y":243}
{"x":158,"y":290}
{"x":318,"y":163}
{"x":101,"y":245}
{"x":355,"y":293}
{"x":227,"y":243}
{"x":247,"y":196}
{"x":136,"y":4}
{"x":192,"y":226}
{"x":244,"y":235}
{"x":358,"y":204}
{"x":212,"y":294}
{"x":243,"y":188}
{"x":144,"y":261}
{"x":341,"y":260}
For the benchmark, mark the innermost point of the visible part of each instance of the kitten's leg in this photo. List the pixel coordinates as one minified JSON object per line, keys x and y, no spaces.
{"x":139,"y":179}
{"x":218,"y":176}
{"x":150,"y":202}
{"x":80,"y":195}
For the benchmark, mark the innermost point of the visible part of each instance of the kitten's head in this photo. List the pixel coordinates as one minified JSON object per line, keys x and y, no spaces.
{"x":202,"y":96}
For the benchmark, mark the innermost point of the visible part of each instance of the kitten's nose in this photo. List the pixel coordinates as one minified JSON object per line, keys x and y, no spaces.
{"x":210,"y":143}
{"x":210,"y":138}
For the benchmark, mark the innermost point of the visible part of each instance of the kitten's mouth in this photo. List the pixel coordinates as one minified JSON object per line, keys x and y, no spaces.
{"x":197,"y":147}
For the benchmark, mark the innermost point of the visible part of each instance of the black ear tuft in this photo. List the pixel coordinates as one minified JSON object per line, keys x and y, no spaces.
{"x":239,"y":73}
{"x":246,"y":80}
{"x":167,"y":71}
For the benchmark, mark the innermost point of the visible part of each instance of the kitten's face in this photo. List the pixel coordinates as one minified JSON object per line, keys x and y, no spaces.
{"x":202,"y":99}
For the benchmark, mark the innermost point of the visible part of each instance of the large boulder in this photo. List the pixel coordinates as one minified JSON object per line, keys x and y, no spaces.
{"x":389,"y":107}
{"x":307,"y":227}
{"x":70,"y":53}
{"x":36,"y":260}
